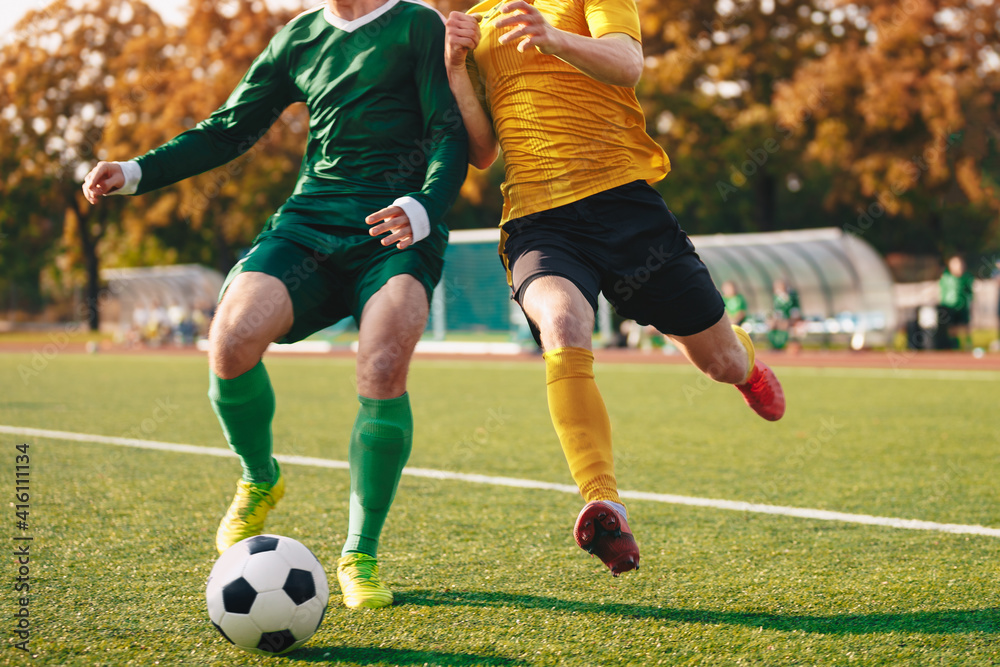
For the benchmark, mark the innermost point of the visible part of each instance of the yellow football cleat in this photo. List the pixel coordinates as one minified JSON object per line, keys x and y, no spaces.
{"x":360,"y":584}
{"x":246,"y":515}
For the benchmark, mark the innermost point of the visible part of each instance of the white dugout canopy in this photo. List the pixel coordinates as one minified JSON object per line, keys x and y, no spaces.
{"x":844,"y":285}
{"x":188,"y":285}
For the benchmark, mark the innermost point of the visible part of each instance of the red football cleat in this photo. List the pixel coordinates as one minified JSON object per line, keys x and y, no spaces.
{"x":763,"y":392}
{"x":601,"y":531}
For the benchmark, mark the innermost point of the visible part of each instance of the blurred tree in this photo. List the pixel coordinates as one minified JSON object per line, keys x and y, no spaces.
{"x":711,"y":71}
{"x":207,"y":218}
{"x":776,"y":114}
{"x":911,"y":123}
{"x":26,"y":233}
{"x":479,"y":203}
{"x":59,"y":68}
{"x":106,"y":79}
{"x":781,"y":114}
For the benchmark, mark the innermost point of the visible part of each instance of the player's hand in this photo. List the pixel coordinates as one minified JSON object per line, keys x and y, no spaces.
{"x":530,"y":28}
{"x":102,"y":180}
{"x":461,"y":35}
{"x":392,"y":219}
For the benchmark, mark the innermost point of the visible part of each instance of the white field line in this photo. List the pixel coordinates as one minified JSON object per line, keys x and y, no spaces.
{"x":733,"y":505}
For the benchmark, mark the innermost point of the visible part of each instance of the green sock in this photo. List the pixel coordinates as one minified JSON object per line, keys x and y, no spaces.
{"x":245,"y":407}
{"x":380,"y":446}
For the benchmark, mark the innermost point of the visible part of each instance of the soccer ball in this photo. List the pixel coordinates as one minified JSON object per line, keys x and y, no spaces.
{"x":267,"y":594}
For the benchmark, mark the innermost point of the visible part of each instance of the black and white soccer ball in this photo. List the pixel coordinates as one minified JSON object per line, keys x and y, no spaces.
{"x":267,"y":594}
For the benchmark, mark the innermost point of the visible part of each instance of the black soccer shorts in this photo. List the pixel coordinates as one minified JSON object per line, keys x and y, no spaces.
{"x":623,"y":242}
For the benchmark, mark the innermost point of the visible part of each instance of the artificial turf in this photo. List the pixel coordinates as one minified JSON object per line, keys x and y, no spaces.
{"x":490,"y":575}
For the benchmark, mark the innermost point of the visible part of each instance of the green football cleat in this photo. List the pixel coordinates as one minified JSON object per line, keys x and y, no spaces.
{"x":246,"y":515}
{"x":360,"y":584}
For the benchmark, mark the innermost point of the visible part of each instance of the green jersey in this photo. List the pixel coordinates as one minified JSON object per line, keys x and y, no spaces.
{"x":735,"y":305}
{"x":787,"y":304}
{"x":383,"y":125}
{"x":956,"y":291}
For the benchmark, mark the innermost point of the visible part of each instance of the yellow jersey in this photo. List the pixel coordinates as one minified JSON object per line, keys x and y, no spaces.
{"x":564,"y":136}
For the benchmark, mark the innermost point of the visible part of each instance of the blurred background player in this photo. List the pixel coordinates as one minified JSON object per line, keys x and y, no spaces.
{"x":552,"y":84}
{"x":955,"y":309}
{"x":318,"y":259}
{"x":736,"y":303}
{"x":785,"y":316}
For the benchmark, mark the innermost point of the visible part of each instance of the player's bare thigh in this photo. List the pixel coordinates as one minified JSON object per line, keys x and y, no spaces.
{"x":255,"y":311}
{"x":561,"y":312}
{"x":391,"y":324}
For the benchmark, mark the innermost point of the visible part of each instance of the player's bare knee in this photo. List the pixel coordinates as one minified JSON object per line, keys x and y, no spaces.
{"x":230,"y":352}
{"x":381,"y":380}
{"x":228,"y":361}
{"x":565,"y":329}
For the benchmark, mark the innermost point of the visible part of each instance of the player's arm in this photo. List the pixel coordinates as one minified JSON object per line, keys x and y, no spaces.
{"x":461,"y":37}
{"x":255,"y":104}
{"x":413,"y":216}
{"x":614,"y":58}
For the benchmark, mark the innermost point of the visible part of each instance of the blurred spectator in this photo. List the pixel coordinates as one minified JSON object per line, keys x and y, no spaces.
{"x":176,"y":314}
{"x":619,"y":337}
{"x":182,"y":325}
{"x":644,"y":337}
{"x":956,"y":303}
{"x":158,"y":325}
{"x":736,"y":305}
{"x":201,"y":317}
{"x":140,"y":320}
{"x":785,"y":317}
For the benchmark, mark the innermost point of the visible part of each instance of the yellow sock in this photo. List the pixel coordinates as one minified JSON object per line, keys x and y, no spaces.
{"x":744,"y":338}
{"x":581,"y":421}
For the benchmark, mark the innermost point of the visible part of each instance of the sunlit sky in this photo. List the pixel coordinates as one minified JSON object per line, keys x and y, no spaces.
{"x":172,"y":11}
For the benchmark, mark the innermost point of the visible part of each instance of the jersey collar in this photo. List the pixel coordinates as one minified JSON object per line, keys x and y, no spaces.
{"x":351,"y":26}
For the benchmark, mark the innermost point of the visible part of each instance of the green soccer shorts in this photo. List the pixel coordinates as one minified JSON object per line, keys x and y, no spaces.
{"x":328,"y":285}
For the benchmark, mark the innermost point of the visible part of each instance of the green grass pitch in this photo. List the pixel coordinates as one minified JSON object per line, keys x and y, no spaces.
{"x":490,"y":575}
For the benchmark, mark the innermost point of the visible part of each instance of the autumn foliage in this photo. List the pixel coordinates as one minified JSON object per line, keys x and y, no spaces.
{"x":877,"y":116}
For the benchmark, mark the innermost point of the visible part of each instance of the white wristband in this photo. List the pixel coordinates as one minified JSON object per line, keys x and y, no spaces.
{"x":133,"y":174}
{"x":420,"y":224}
